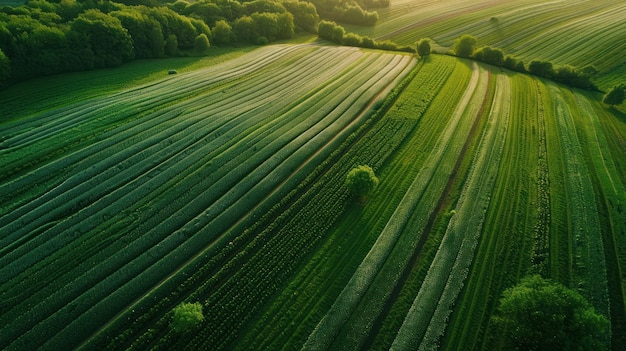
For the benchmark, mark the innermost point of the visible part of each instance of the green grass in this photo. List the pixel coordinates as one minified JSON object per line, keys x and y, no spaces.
{"x":528,"y":29}
{"x":52,"y":92}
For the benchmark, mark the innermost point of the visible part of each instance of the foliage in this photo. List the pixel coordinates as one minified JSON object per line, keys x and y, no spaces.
{"x":42,"y":38}
{"x":222,"y":33}
{"x":423,"y":47}
{"x":541,"y":69}
{"x":304,"y":14}
{"x":186,"y":317}
{"x":538,"y":314}
{"x":5,"y":68}
{"x":489,"y":55}
{"x":331,"y":31}
{"x":202,"y":44}
{"x":464,"y":46}
{"x":361,"y":181}
{"x":615,"y":96}
{"x":350,"y":12}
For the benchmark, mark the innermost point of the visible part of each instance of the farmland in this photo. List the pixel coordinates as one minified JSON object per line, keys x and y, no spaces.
{"x":577,"y":33}
{"x":224,"y":185}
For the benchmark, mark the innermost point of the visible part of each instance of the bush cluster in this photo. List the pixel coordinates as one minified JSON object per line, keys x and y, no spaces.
{"x":352,"y":12}
{"x":465,"y":47}
{"x":335,"y":33}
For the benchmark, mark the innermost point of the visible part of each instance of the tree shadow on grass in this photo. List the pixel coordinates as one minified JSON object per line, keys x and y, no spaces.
{"x":618,"y":112}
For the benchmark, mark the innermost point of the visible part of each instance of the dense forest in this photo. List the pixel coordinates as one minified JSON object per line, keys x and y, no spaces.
{"x":46,"y":37}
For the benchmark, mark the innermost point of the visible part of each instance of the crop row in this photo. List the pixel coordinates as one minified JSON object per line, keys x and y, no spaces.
{"x":125,"y":192}
{"x":278,"y":247}
{"x":588,"y":264}
{"x":355,"y":289}
{"x":304,"y":301}
{"x":225,"y":272}
{"x":79,"y":124}
{"x":67,"y":267}
{"x":449,"y":268}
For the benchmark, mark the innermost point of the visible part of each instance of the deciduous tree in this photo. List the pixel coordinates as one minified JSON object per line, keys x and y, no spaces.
{"x":423,"y":47}
{"x":361,"y":181}
{"x":538,"y":314}
{"x":186,"y":316}
{"x":464,"y":46}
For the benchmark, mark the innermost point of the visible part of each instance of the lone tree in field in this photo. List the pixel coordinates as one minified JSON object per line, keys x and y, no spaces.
{"x":186,"y":316}
{"x":464,"y":46}
{"x":423,"y":47}
{"x":538,"y":314}
{"x":615,"y":96}
{"x":361,"y":181}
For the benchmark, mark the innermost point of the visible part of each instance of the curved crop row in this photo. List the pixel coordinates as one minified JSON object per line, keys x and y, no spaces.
{"x":317,"y":284}
{"x":427,"y":318}
{"x":360,"y":282}
{"x":244,"y":144}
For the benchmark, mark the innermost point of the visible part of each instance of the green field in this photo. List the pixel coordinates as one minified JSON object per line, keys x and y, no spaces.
{"x":577,"y":33}
{"x":125,"y":192}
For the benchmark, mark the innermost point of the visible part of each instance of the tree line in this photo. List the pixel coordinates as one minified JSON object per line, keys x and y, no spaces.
{"x":44,"y":37}
{"x":337,"y":34}
{"x":465,"y":46}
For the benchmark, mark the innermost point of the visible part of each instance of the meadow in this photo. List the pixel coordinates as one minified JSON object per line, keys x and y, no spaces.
{"x":125,"y":192}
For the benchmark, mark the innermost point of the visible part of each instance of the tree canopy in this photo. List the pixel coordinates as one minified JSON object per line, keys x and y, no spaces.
{"x":47,"y":37}
{"x":186,"y":316}
{"x":361,"y":181}
{"x":538,"y":314}
{"x":464,"y":45}
{"x":423,"y":47}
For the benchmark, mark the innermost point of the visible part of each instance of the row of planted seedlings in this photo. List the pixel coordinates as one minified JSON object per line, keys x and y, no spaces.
{"x":584,"y":229}
{"x":503,"y":252}
{"x":569,"y":254}
{"x":125,"y":151}
{"x":117,"y":139}
{"x":327,"y":133}
{"x":430,"y":190}
{"x":398,"y":176}
{"x":556,"y":45}
{"x":283,"y":321}
{"x":30,"y":142}
{"x":610,"y":193}
{"x":131,"y":197}
{"x":455,"y":255}
{"x":614,"y":240}
{"x":346,"y":303}
{"x":247,"y":276}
